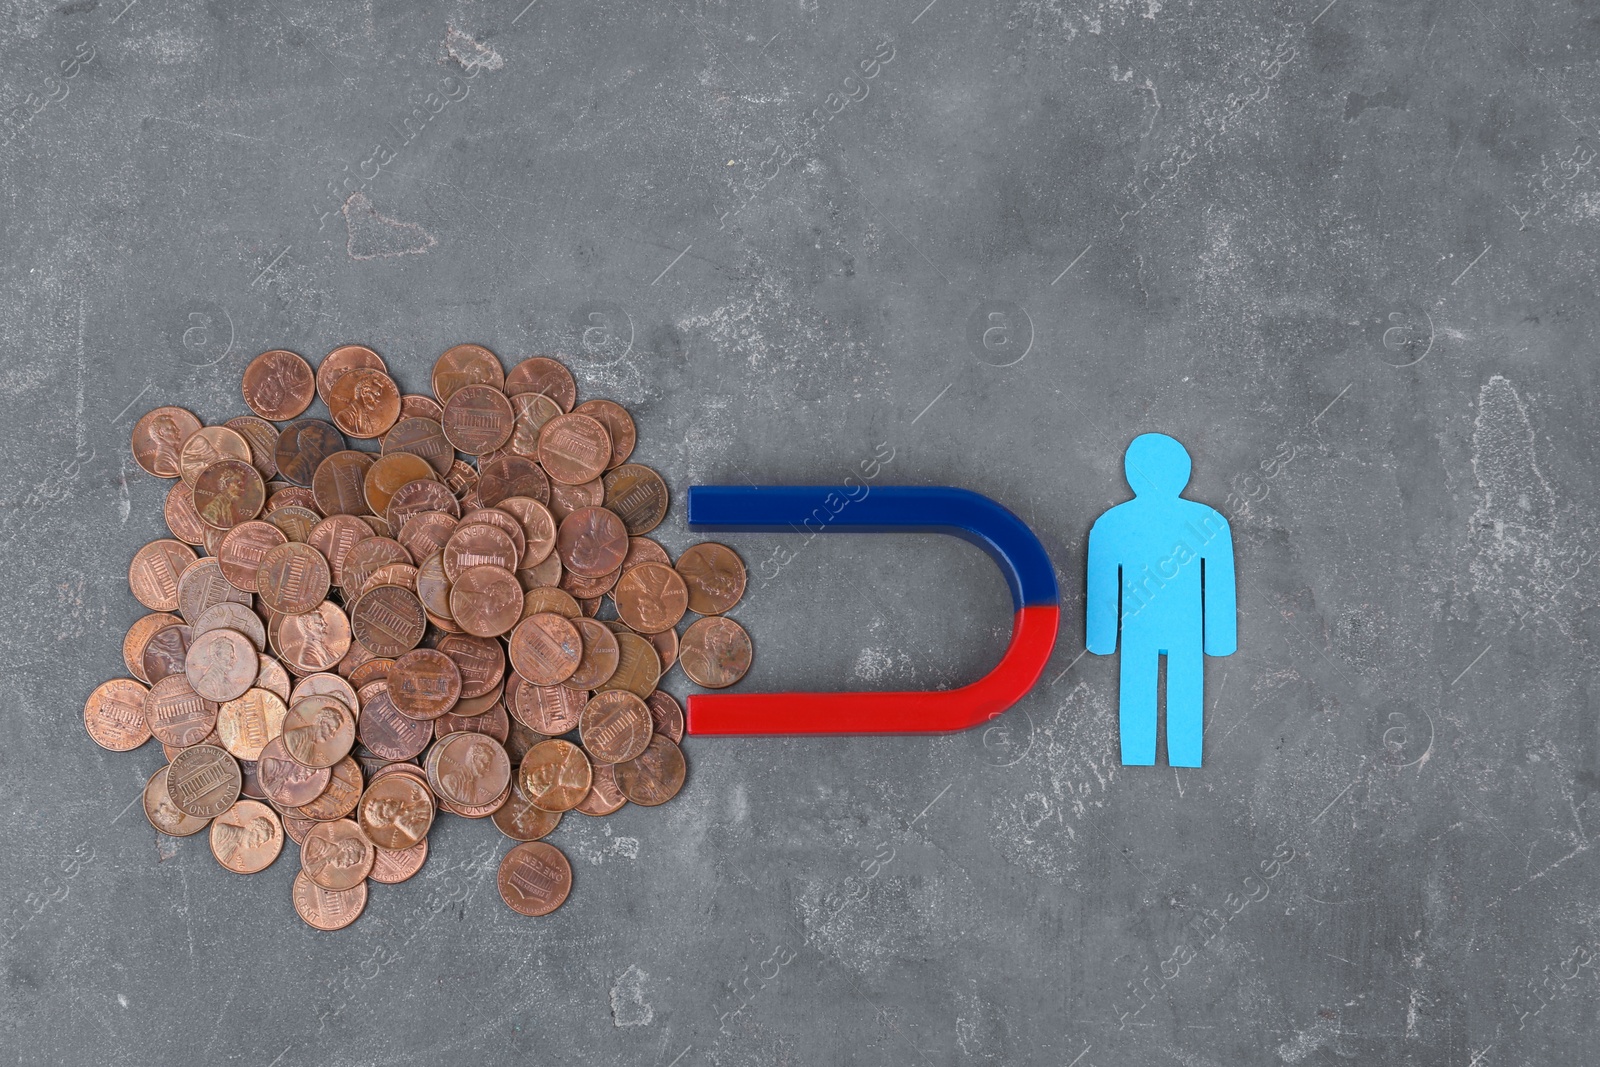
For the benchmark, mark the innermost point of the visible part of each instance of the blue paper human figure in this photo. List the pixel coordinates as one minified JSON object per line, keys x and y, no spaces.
{"x":1162,"y":567}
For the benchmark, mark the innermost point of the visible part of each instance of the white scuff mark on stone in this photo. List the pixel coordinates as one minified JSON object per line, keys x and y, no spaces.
{"x":375,"y":236}
{"x":122,"y":999}
{"x":469,"y":52}
{"x":628,"y":1004}
{"x":876,"y":664}
{"x":1308,"y":1041}
{"x":626,"y":846}
{"x":124,"y":502}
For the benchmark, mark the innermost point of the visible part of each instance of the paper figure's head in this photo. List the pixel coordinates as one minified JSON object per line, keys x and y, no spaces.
{"x":1156,"y":465}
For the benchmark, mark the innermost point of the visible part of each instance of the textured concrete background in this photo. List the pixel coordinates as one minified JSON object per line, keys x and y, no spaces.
{"x":1346,"y":252}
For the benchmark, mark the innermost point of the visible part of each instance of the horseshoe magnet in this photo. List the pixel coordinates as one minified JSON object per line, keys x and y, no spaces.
{"x":887,"y":509}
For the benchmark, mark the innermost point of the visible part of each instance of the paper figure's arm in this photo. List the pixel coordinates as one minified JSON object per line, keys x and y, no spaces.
{"x":1102,"y":597}
{"x":1217,"y":591}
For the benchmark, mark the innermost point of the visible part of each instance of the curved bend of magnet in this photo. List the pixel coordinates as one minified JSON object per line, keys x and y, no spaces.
{"x":887,"y":509}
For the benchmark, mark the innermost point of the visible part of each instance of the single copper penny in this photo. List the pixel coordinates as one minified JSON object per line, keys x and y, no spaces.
{"x":314,"y":640}
{"x":546,"y":573}
{"x":221,"y":665}
{"x":138,"y":638}
{"x":396,"y":811}
{"x":286,"y":781}
{"x":521,"y":821}
{"x":338,"y":486}
{"x":293,"y":578}
{"x":534,"y":878}
{"x":651,"y":597}
{"x":615,"y":726}
{"x":424,"y":684}
{"x":547,"y":709}
{"x":424,"y":494}
{"x":114,"y":715}
{"x":262,"y":437}
{"x":364,"y":403}
{"x":638,"y":666}
{"x":715,"y":652}
{"x":494,"y":722}
{"x":153,"y":575}
{"x":273,"y":678}
{"x":331,"y":685}
{"x":181,"y":517}
{"x":469,"y":769}
{"x":303,"y":445}
{"x":655,"y":775}
{"x":486,"y":601}
{"x":518,"y":740}
{"x":385,"y":477}
{"x":426,"y":532}
{"x":385,"y":731}
{"x":166,"y":653}
{"x":342,"y":361}
{"x":336,"y":855}
{"x":388,"y":620}
{"x":588,"y":591}
{"x":666,"y":715}
{"x":574,"y":449}
{"x":605,"y":796}
{"x":278,"y":385}
{"x":335,"y":537}
{"x":644,"y":550}
{"x":339,"y":798}
{"x":465,"y":365}
{"x":246,"y":723}
{"x":565,"y":499}
{"x":242,"y":550}
{"x":369,"y":556}
{"x":203,"y":781}
{"x":478,"y":544}
{"x":511,"y":476}
{"x":478,"y":419}
{"x":163,"y":813}
{"x":540,"y":374}
{"x":208,"y":445}
{"x":600,"y":655}
{"x":250,"y":781}
{"x":538,"y":527}
{"x":547,"y":598}
{"x":319,"y":731}
{"x":462,"y":480}
{"x":373,"y":670}
{"x":424,"y":438}
{"x":159,"y":437}
{"x":392,"y":868}
{"x":297,"y":829}
{"x":482,"y":662}
{"x":281,"y":494}
{"x":592,"y":542}
{"x":715,"y":576}
{"x":555,"y":775}
{"x":546,"y":649}
{"x":433,"y":589}
{"x":203,"y":586}
{"x":295,"y":522}
{"x":417,"y":406}
{"x":177,"y":715}
{"x":326,"y":909}
{"x":247,"y":837}
{"x":231,"y":616}
{"x":618,"y":423}
{"x":228,"y":493}
{"x":638,"y":495}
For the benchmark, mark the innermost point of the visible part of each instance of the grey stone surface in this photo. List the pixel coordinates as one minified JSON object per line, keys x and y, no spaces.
{"x":1345,"y":252}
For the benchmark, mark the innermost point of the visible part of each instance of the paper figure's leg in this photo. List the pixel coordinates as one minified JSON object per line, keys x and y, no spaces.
{"x":1136,"y":704}
{"x":1186,"y":701}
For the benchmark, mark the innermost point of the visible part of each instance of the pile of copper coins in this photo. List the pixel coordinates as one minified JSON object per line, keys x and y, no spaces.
{"x":334,"y":666}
